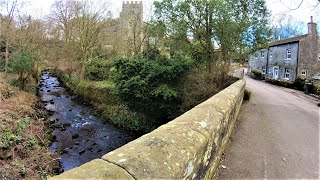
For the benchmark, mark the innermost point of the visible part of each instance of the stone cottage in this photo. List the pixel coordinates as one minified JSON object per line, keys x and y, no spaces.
{"x":289,"y":58}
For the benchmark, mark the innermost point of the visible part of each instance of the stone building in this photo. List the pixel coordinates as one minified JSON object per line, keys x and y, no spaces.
{"x":124,"y":35}
{"x":289,"y":58}
{"x":258,"y":61}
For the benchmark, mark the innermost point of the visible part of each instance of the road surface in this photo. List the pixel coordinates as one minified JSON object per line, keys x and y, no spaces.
{"x":276,"y":136}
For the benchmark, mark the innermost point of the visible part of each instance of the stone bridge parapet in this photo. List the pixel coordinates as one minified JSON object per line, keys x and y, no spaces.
{"x":189,"y":147}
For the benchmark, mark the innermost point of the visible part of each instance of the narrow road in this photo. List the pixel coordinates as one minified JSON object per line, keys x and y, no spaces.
{"x":276,"y":136}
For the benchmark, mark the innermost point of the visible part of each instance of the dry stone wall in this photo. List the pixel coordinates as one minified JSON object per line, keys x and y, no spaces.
{"x":189,"y":147}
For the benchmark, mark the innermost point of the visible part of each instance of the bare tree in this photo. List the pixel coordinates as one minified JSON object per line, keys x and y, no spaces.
{"x":63,"y":13}
{"x":286,"y":27}
{"x":294,"y":5}
{"x":63,"y":16}
{"x":89,"y":23}
{"x":136,"y":35}
{"x":7,"y":19}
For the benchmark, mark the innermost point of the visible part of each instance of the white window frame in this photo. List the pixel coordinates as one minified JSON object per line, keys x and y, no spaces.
{"x":289,"y":53}
{"x":270,"y":52}
{"x":287,"y":73}
{"x":304,"y":72}
{"x":263,"y":70}
{"x":262,"y":54}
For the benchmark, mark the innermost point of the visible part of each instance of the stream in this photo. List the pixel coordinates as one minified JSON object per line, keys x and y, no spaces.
{"x":80,"y":136}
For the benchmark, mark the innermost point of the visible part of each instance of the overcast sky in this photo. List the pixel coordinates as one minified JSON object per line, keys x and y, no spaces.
{"x":277,"y":7}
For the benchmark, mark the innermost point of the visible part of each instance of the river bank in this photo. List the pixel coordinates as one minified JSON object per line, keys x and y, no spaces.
{"x":79,"y":135}
{"x":24,"y":136}
{"x":97,"y":94}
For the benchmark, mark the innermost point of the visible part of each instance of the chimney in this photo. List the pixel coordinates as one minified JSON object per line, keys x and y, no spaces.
{"x":312,"y":27}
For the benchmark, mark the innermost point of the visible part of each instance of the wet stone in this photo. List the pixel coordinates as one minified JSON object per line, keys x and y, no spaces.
{"x":82,"y":151}
{"x":65,"y":125}
{"x":63,"y":151}
{"x":74,"y":136}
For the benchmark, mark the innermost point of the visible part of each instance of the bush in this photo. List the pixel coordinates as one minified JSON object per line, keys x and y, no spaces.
{"x":247,"y":95}
{"x":150,"y":87}
{"x":22,"y":64}
{"x":98,"y":70}
{"x":283,"y":83}
{"x":257,"y":74}
{"x":316,"y":89}
{"x":151,"y":53}
{"x":299,"y":83}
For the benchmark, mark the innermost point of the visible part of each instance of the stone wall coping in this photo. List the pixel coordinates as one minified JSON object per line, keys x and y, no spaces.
{"x":188,"y":147}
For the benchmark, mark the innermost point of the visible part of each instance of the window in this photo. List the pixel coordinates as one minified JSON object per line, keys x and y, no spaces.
{"x":288,"y":53}
{"x":287,"y":73}
{"x":262,"y":54}
{"x":270,"y":54}
{"x":304,"y":72}
{"x":263,"y":70}
{"x":318,"y":56}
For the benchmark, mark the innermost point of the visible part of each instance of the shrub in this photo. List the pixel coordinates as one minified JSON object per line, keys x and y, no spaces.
{"x":316,"y":89}
{"x":98,"y":70}
{"x":151,"y":53}
{"x":150,"y":87}
{"x":257,"y":74}
{"x":22,"y":64}
{"x":247,"y":95}
{"x":299,"y":83}
{"x":283,"y":83}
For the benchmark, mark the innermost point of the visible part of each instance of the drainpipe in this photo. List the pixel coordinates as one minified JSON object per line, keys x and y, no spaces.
{"x":267,"y":64}
{"x":298,"y":53}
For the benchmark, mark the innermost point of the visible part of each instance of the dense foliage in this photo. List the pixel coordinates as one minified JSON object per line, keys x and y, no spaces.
{"x":150,"y":86}
{"x":22,"y":64}
{"x":233,"y":27}
{"x":256,"y":74}
{"x":98,"y":69}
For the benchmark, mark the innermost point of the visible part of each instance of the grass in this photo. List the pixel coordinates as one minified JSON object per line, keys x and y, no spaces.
{"x":23,"y":136}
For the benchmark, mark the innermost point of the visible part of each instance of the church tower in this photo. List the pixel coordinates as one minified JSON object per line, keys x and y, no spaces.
{"x":131,"y":20}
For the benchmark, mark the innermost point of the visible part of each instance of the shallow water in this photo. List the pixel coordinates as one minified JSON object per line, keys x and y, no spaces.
{"x":80,"y":136}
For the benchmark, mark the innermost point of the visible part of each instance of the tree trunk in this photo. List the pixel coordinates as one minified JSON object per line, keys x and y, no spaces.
{"x":6,"y":58}
{"x":83,"y":65}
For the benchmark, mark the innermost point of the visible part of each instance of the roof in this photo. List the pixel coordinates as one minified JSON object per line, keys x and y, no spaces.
{"x":289,"y":40}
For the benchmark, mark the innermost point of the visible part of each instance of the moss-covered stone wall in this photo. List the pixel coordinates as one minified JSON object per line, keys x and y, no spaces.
{"x":189,"y":147}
